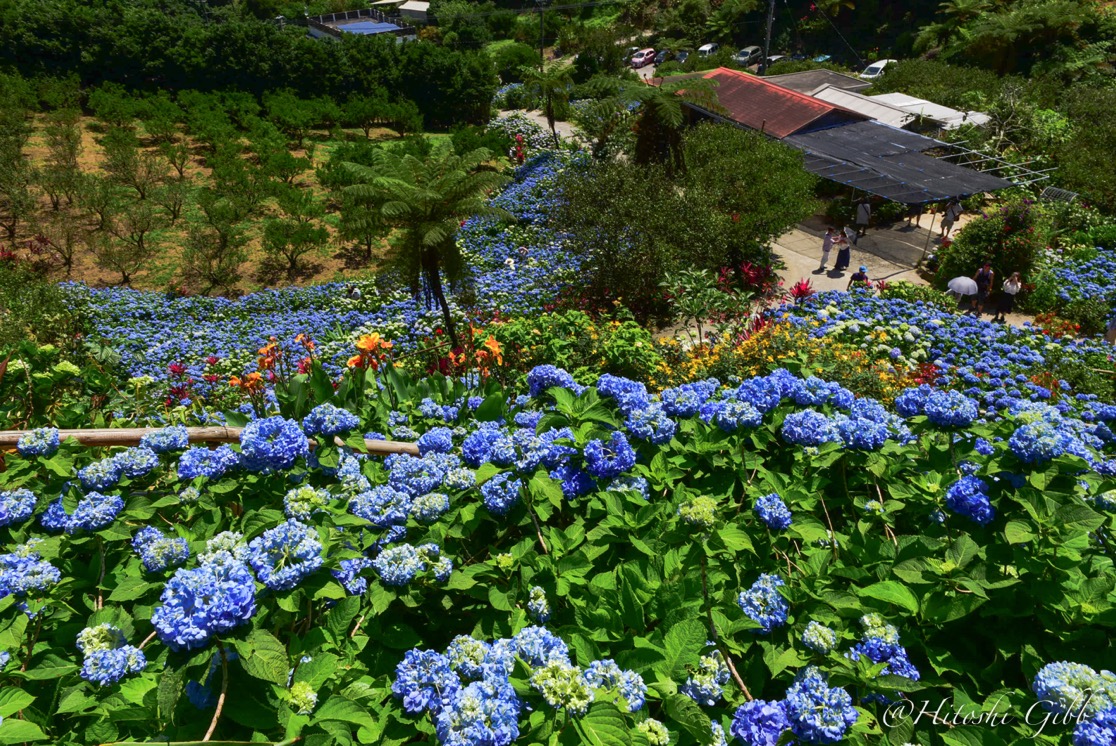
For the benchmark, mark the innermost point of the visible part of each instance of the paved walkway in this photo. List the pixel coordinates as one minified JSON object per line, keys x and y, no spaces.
{"x":890,"y":253}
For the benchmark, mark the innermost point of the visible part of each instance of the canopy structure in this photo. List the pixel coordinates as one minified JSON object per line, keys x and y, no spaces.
{"x":890,"y":163}
{"x":943,"y":116}
{"x":865,"y":105}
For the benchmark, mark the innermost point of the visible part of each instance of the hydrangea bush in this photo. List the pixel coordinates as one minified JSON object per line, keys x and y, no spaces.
{"x":775,"y":560}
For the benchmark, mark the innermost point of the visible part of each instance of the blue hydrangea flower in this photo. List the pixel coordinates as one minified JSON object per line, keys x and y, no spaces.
{"x":968,"y":496}
{"x":381,"y":506}
{"x":1098,"y":731}
{"x":16,"y":506}
{"x":418,"y":476}
{"x":773,"y":512}
{"x":500,"y":493}
{"x":1065,"y":687}
{"x":762,"y":603}
{"x":283,"y":556}
{"x":759,"y":723}
{"x":272,"y":444}
{"x":437,"y":440}
{"x":94,"y":511}
{"x":203,"y":462}
{"x":199,"y":603}
{"x":101,"y":475}
{"x":105,"y":667}
{"x":41,"y":442}
{"x":1038,"y":442}
{"x":630,"y":395}
{"x":484,"y":712}
{"x":817,"y":712}
{"x":349,"y":572}
{"x":137,"y":462}
{"x":423,"y":680}
{"x":950,"y":409}
{"x":880,"y":644}
{"x":630,"y":484}
{"x":159,"y":552}
{"x":460,"y":479}
{"x":543,"y":377}
{"x":329,"y":420}
{"x":809,"y":428}
{"x":167,"y":440}
{"x":651,"y":424}
{"x":706,"y":685}
{"x":538,"y":647}
{"x":575,"y":482}
{"x":24,"y":571}
{"x":537,"y":607}
{"x":611,"y":459}
{"x":398,"y":565}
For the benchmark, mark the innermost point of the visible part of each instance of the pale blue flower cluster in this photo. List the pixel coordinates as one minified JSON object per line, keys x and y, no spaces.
{"x":204,"y":462}
{"x":212,"y":599}
{"x":94,"y":511}
{"x":108,"y":658}
{"x":16,"y":506}
{"x":272,"y":444}
{"x":24,"y":572}
{"x":41,"y":442}
{"x":157,"y":551}
{"x":167,"y":440}
{"x":763,"y":604}
{"x":285,"y":555}
{"x":773,"y":512}
{"x":401,"y":564}
{"x":329,"y":420}
{"x":706,"y":685}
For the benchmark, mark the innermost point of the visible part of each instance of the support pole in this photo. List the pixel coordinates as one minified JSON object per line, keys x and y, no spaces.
{"x":767,"y":36}
{"x":928,"y":237}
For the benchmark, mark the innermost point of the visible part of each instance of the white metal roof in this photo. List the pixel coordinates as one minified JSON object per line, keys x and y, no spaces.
{"x":948,"y":118}
{"x":861,"y":104}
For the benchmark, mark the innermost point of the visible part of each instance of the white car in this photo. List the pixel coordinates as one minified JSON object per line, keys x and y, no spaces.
{"x":748,"y":56}
{"x":705,"y":50}
{"x":876,"y":69}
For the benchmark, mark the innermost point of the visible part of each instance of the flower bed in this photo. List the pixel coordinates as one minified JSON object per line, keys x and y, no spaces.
{"x":768,"y":558}
{"x":152,"y":331}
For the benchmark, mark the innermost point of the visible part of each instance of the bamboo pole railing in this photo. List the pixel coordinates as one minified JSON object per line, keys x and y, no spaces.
{"x":130,"y":436}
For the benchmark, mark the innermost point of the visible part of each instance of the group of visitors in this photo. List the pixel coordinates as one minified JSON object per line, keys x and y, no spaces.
{"x":950,"y":212}
{"x":844,"y":240}
{"x":984,"y":278}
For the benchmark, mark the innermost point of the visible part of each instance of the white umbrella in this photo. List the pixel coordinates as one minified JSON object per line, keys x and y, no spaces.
{"x":963,"y":285}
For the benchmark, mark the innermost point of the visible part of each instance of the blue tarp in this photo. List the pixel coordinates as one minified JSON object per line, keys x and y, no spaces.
{"x":369,"y":28}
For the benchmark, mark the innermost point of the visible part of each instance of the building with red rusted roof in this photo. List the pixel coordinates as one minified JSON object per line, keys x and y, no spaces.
{"x":776,"y":111}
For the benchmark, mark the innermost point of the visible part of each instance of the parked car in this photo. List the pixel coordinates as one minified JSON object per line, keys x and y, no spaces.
{"x":748,"y":56}
{"x":876,"y":69}
{"x":662,"y":56}
{"x":681,"y":56}
{"x":643,"y":58}
{"x":774,"y":58}
{"x":707,"y":50}
{"x":823,"y":58}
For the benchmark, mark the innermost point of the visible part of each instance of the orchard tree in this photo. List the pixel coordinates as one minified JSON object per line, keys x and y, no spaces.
{"x":215,"y":246}
{"x":290,"y":241}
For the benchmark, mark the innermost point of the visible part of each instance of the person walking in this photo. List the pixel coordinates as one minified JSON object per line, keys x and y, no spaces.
{"x":952,"y":211}
{"x":1011,"y":288}
{"x":914,"y":212}
{"x":983,"y":279}
{"x":827,"y":246}
{"x":863,"y":216}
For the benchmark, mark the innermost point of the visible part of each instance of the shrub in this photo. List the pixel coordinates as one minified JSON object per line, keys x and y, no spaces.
{"x":1010,"y":237}
{"x":33,"y":308}
{"x":908,"y":291}
{"x":1090,"y":314}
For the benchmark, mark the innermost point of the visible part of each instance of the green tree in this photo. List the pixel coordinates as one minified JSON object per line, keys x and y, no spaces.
{"x":425,"y":201}
{"x":510,"y":60}
{"x":294,"y":116}
{"x":215,"y":246}
{"x":662,"y":117}
{"x":289,"y":241}
{"x":135,"y":229}
{"x":365,"y":112}
{"x":552,"y":84}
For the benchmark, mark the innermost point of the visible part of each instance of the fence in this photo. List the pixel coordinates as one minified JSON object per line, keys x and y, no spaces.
{"x":332,"y":24}
{"x":131,"y":436}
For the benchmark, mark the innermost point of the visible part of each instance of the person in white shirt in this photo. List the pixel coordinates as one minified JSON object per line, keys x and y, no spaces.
{"x":863,"y":216}
{"x":1012,"y":286}
{"x":949,"y":217}
{"x":827,"y":246}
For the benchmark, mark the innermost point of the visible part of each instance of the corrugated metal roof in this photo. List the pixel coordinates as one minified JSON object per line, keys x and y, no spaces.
{"x":811,"y":80}
{"x":866,"y":105}
{"x":889,"y":162}
{"x":946,"y":117}
{"x":777,"y":111}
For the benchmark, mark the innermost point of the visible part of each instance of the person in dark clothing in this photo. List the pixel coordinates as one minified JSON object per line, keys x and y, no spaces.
{"x":984,"y":279}
{"x":859,"y":278}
